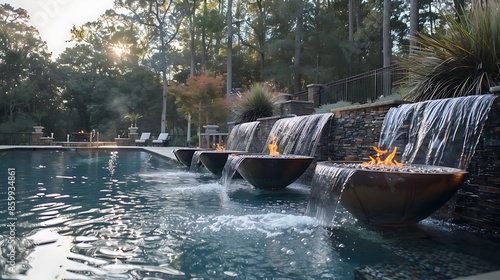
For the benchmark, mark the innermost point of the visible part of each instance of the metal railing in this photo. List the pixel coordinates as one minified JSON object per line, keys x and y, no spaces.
{"x":20,"y":138}
{"x":362,"y":88}
{"x":365,"y":87}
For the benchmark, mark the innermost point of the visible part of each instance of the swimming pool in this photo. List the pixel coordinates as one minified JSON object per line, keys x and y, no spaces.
{"x":129,"y":214}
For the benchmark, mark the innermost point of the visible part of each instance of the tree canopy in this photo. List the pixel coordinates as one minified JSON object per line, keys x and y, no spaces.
{"x":129,"y":59}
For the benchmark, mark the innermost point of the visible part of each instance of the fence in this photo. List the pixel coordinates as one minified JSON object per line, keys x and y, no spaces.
{"x":21,"y":138}
{"x":362,"y":88}
{"x":365,"y":87}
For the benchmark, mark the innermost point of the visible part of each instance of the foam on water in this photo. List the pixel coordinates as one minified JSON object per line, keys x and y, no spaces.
{"x":270,"y":224}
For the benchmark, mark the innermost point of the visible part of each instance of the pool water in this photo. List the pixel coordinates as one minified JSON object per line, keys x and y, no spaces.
{"x":123,"y":214}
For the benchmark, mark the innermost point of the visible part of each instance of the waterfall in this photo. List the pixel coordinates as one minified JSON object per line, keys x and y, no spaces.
{"x":435,"y":132}
{"x":195,"y":161}
{"x":232,"y":163}
{"x":298,"y":135}
{"x":241,"y":136}
{"x":239,"y":139}
{"x":326,"y":189}
{"x":439,"y":132}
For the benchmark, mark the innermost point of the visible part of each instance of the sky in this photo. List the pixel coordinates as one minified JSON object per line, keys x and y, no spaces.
{"x":54,"y":18}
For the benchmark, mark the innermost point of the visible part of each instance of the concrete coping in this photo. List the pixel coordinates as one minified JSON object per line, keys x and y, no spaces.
{"x":393,"y":103}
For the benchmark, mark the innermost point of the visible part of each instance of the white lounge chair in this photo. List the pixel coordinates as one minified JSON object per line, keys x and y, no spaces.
{"x":144,"y":140}
{"x":162,"y":140}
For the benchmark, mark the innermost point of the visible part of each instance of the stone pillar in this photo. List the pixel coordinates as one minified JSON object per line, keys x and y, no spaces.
{"x":36,"y":138}
{"x":313,"y":94}
{"x":495,"y":90}
{"x":133,"y":136}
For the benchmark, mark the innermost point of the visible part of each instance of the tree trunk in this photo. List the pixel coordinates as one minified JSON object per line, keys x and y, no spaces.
{"x":191,"y":40}
{"x":298,"y":44}
{"x":351,"y":19}
{"x":203,"y":43}
{"x":386,"y":34}
{"x":229,"y":78}
{"x":164,"y":102}
{"x":414,"y":7}
{"x":387,"y":47}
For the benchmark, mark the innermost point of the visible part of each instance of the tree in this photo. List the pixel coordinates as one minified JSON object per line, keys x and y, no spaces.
{"x":202,"y":96}
{"x":25,"y":83}
{"x":162,"y":20}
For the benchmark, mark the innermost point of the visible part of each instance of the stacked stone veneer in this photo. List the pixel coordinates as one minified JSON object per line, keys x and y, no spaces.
{"x":478,"y":200}
{"x":356,"y":129}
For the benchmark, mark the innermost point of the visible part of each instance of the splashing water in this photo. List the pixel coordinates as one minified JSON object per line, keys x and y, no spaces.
{"x":326,"y":190}
{"x":195,"y":161}
{"x":232,"y":163}
{"x":239,"y":139}
{"x":437,"y":132}
{"x":241,"y":136}
{"x":112,"y":163}
{"x":298,"y":135}
{"x":440,"y":132}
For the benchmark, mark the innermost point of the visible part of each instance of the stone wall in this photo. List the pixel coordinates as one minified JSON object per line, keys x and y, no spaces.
{"x":356,"y":129}
{"x":296,"y":107}
{"x":478,"y":200}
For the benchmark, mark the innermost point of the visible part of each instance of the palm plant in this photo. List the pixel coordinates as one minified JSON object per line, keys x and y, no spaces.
{"x":259,"y":102}
{"x":133,"y":117}
{"x":462,"y":60}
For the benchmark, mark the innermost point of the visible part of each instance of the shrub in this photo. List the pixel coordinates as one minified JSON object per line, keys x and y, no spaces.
{"x":259,"y":102}
{"x":463,"y":59}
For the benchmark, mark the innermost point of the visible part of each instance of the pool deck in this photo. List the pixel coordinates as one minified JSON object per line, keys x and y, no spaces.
{"x":168,"y":153}
{"x":162,"y":151}
{"x":494,"y":275}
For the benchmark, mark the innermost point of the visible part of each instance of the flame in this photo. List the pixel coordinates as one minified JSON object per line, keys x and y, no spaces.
{"x":273,"y":148}
{"x":220,"y":148}
{"x":388,"y":161}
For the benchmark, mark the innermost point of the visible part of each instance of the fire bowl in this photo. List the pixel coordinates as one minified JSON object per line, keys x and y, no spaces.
{"x":399,"y":198}
{"x":215,"y":161}
{"x":273,"y":172}
{"x":185,"y":155}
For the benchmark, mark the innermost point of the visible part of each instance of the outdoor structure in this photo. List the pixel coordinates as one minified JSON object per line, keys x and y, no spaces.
{"x":356,"y":129}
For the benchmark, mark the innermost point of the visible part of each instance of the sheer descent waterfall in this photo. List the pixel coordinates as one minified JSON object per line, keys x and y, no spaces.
{"x":298,"y":135}
{"x":241,"y":136}
{"x":239,"y":139}
{"x":440,"y":132}
{"x":327,"y":185}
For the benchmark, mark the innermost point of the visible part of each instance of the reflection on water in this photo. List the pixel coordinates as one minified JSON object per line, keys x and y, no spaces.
{"x":84,"y":214}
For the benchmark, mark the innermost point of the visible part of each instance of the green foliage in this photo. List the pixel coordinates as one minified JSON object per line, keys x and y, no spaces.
{"x":38,"y":117}
{"x":202,"y":97}
{"x":259,"y":102}
{"x":462,"y":60}
{"x":133,"y":117}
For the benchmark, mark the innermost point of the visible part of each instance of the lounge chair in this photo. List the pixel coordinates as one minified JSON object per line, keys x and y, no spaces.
{"x":162,"y":140}
{"x":144,"y":140}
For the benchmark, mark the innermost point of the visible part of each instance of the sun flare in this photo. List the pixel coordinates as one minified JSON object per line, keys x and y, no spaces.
{"x":120,"y":50}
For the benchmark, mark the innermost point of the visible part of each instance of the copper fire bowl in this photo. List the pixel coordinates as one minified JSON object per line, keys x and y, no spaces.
{"x":273,"y":172}
{"x":185,"y":155}
{"x":215,"y":161}
{"x":392,"y":198}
